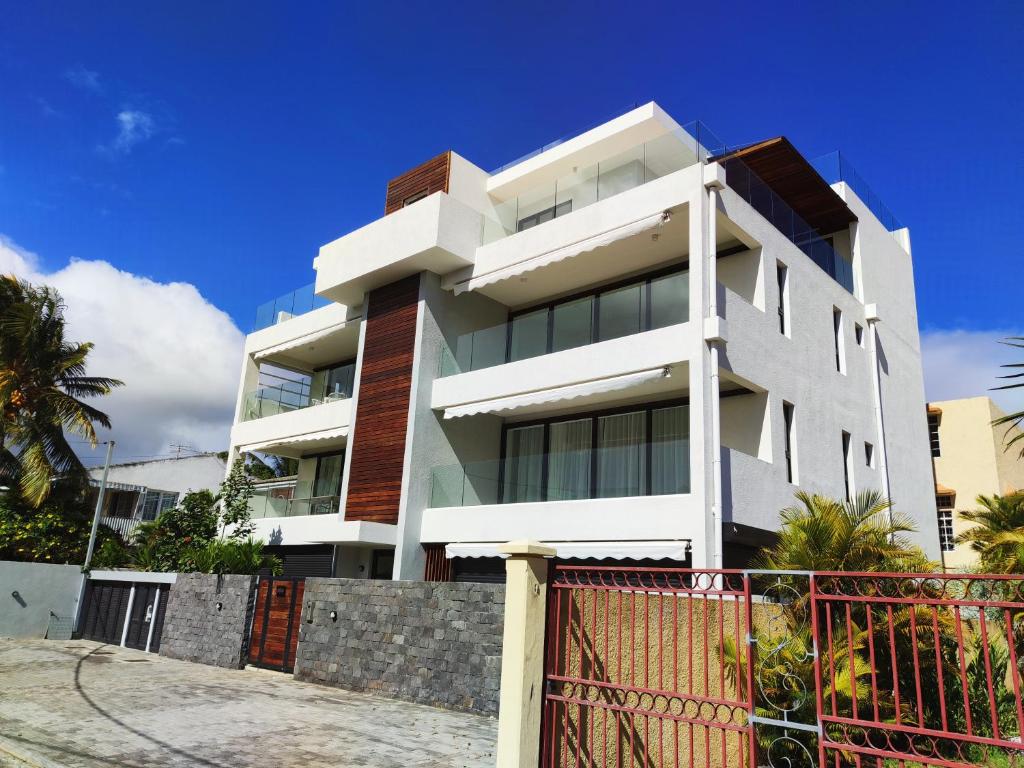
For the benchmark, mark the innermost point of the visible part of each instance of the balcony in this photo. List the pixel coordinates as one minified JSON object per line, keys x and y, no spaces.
{"x":268,"y":505}
{"x":438,"y":234}
{"x":584,"y":186}
{"x":834,"y":167}
{"x":293,"y":433}
{"x":297,"y":302}
{"x":624,"y":310}
{"x":287,"y":395}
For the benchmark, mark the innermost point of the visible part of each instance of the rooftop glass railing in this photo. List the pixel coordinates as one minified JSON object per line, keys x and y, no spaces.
{"x":282,"y":395}
{"x":297,"y":302}
{"x":585,"y":186}
{"x":767,"y":202}
{"x":622,"y":310}
{"x":834,"y":167}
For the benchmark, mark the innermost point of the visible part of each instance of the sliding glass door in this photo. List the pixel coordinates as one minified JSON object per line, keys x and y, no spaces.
{"x":639,"y":452}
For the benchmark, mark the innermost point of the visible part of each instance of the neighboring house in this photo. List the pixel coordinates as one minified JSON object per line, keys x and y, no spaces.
{"x":631,"y":344}
{"x":970,"y":459}
{"x":138,"y":491}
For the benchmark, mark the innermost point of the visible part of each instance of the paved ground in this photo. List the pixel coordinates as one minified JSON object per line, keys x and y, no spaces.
{"x":88,"y":705}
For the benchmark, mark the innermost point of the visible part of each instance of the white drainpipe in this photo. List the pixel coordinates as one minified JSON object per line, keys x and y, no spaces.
{"x":871,"y":315}
{"x":714,"y":334}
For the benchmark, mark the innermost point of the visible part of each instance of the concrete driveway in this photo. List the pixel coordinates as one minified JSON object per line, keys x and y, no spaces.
{"x":88,"y":705}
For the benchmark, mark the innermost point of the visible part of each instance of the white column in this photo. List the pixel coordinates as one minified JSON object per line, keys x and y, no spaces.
{"x":152,"y":619}
{"x":128,"y":615}
{"x":522,"y":654}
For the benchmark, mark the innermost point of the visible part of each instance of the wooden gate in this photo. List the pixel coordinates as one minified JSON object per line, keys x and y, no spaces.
{"x":275,"y":624}
{"x":646,"y":667}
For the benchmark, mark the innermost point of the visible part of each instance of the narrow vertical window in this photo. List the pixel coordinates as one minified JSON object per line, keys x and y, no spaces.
{"x":782,"y":275}
{"x":933,"y":433}
{"x":847,"y":469}
{"x":837,"y":332}
{"x":790,"y":435}
{"x":858,"y":334}
{"x":869,"y":454}
{"x":946,"y":540}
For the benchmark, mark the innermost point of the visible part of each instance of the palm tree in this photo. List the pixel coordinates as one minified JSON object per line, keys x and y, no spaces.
{"x":42,"y":377}
{"x":1012,"y":420}
{"x":998,"y":533}
{"x":825,"y":534}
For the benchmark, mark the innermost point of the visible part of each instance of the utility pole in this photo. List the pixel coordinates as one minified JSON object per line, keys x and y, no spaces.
{"x":99,"y":506}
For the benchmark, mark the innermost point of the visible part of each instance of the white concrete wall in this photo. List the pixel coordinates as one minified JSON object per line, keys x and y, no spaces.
{"x":41,"y":588}
{"x":188,"y":473}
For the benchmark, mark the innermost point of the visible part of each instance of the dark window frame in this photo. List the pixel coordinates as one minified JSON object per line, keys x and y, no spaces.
{"x":933,"y":435}
{"x":782,"y":280}
{"x":847,"y":442}
{"x":789,"y":426}
{"x":646,"y":408}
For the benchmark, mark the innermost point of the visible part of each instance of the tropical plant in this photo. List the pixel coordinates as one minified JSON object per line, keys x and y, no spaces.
{"x":235,"y":492}
{"x":863,"y":534}
{"x":42,"y":378}
{"x":112,"y":553}
{"x":1016,"y":419}
{"x":233,"y":556}
{"x":57,"y":531}
{"x":997,"y":534}
{"x":163,"y":544}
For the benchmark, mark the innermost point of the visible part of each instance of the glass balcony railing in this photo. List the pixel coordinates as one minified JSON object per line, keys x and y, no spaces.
{"x":777,"y":211}
{"x":834,"y":167}
{"x":297,"y":302}
{"x":291,"y":395}
{"x":584,"y":186}
{"x":570,"y":475}
{"x":619,"y":311}
{"x":267,"y":506}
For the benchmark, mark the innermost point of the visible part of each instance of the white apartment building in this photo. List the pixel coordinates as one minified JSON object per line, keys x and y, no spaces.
{"x":634,"y":344}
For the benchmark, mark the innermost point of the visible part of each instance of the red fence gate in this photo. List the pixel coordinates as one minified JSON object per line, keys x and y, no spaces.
{"x":670,"y":667}
{"x":646,"y":667}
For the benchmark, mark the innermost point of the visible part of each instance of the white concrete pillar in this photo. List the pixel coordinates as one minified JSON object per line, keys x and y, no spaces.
{"x":522,"y":655}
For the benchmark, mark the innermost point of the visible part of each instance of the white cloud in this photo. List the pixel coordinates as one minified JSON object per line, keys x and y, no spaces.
{"x":83,"y":78}
{"x":966,"y":364}
{"x":133,"y":127}
{"x":177,"y":353}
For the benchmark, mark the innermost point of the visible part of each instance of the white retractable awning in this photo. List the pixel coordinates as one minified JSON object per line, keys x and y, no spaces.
{"x":581,"y":550}
{"x":556,"y":394}
{"x":301,"y":341}
{"x":565,"y":252}
{"x":309,"y":437}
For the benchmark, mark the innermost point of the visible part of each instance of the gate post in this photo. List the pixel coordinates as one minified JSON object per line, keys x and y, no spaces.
{"x":522,"y":654}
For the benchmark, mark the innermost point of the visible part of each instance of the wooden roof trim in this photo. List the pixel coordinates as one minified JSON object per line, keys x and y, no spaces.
{"x":780,"y":166}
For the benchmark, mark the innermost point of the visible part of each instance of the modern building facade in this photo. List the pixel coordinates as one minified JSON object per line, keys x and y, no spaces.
{"x":970,"y":459}
{"x":636,"y":343}
{"x":138,"y":491}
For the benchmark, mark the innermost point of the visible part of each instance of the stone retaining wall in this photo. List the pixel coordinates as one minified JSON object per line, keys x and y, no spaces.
{"x":432,"y":643}
{"x":207,"y":619}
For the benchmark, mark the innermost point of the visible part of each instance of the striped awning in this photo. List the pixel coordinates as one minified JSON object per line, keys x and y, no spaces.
{"x":563,"y":253}
{"x":555,"y":394}
{"x":295,"y":441}
{"x":583,"y":550}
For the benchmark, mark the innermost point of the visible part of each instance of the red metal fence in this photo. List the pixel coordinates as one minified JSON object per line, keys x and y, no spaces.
{"x":669,"y":667}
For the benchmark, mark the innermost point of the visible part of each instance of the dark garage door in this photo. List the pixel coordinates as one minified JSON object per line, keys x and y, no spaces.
{"x":106,"y":609}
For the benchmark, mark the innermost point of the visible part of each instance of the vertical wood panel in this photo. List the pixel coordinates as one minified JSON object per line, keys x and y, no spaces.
{"x":382,"y":407}
{"x":428,"y":178}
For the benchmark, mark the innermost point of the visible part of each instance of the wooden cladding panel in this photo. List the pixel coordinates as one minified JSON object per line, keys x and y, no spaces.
{"x":382,"y":407}
{"x":428,"y":178}
{"x":438,"y":566}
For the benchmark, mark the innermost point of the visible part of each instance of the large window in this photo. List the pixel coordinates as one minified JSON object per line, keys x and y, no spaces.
{"x":327,"y":485}
{"x":641,"y":304}
{"x":338,"y":381}
{"x":156,"y":502}
{"x":634,"y":452}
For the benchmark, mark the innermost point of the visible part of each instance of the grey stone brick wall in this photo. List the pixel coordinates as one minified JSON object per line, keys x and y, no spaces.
{"x":431,"y":643}
{"x":196,"y":630}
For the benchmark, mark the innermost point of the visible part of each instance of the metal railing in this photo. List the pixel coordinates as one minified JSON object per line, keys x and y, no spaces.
{"x":124,"y":526}
{"x":291,"y":395}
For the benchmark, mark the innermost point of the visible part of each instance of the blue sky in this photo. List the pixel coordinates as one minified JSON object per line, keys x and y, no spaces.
{"x":265,"y":134}
{"x":220,"y":144}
